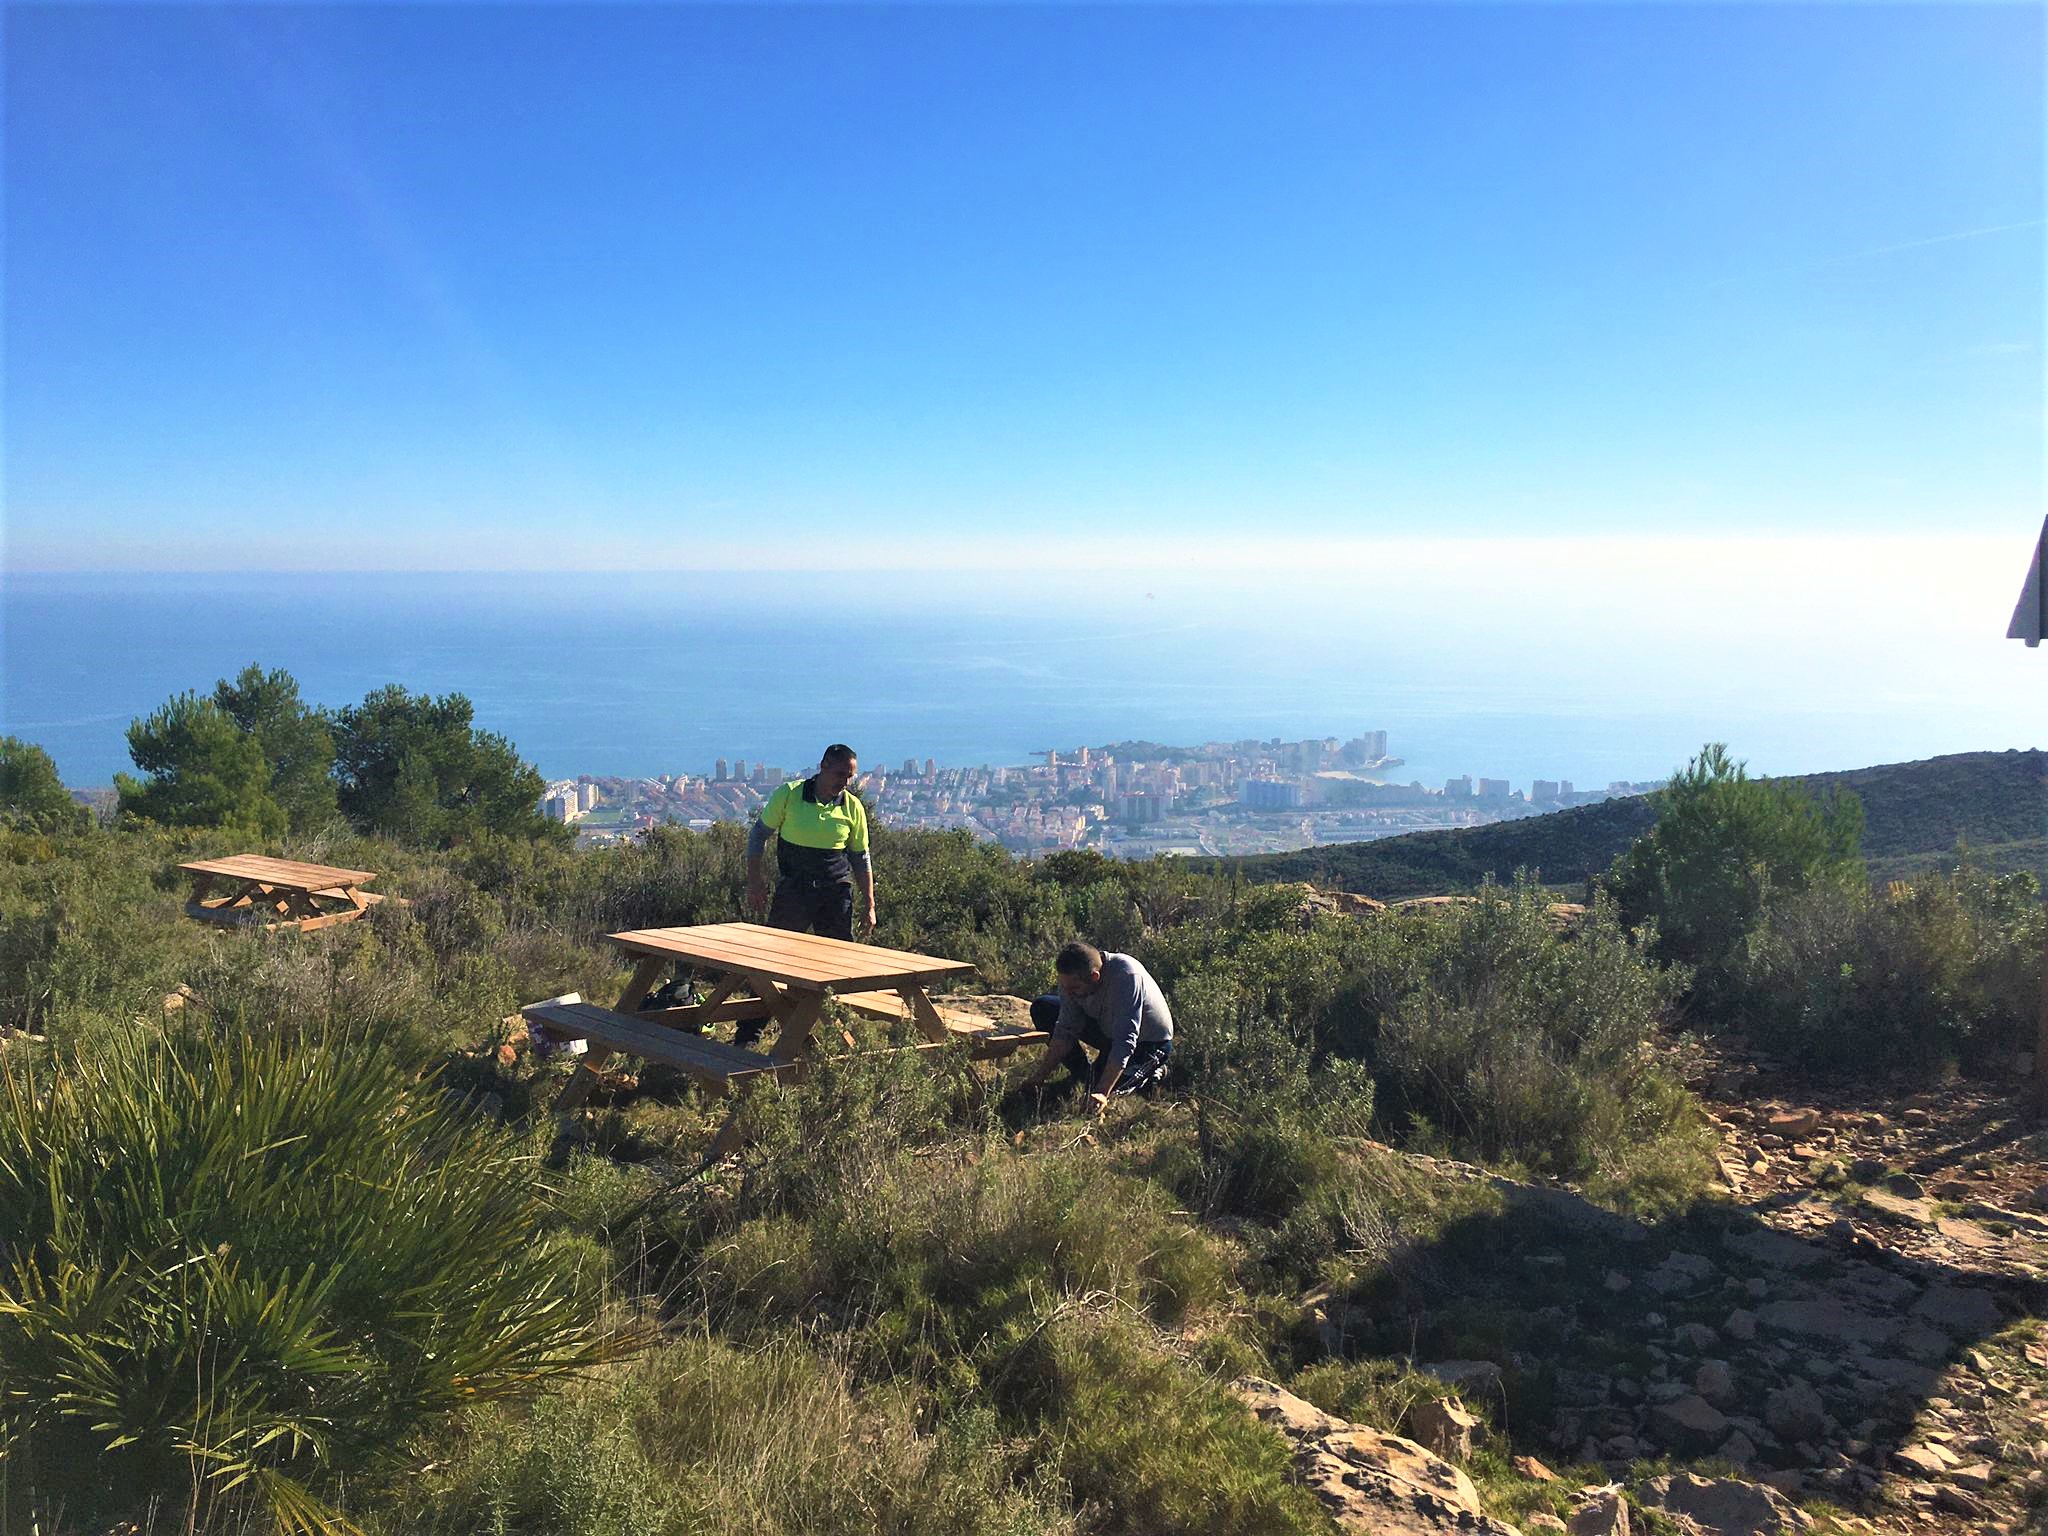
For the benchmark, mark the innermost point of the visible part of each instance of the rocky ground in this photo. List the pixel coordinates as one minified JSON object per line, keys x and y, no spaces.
{"x":1909,"y":1235}
{"x":1855,"y":1330}
{"x":1952,"y":1175}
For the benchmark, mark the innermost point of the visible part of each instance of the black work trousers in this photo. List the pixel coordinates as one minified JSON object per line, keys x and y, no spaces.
{"x":804,"y":904}
{"x":1146,"y":1067}
{"x":820,"y":906}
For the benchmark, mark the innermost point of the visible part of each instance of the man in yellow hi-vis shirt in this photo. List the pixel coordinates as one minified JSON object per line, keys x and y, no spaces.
{"x":821,"y":850}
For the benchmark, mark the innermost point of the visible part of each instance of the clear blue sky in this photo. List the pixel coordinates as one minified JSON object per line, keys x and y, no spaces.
{"x":483,"y":285}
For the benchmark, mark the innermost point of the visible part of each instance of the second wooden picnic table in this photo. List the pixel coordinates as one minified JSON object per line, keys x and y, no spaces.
{"x":765,"y":974}
{"x":248,"y":888}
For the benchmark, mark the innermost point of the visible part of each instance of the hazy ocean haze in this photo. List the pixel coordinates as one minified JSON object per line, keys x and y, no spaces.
{"x":1505,"y":672}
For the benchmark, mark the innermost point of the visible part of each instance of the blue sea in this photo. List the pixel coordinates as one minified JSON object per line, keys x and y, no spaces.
{"x":640,"y":675}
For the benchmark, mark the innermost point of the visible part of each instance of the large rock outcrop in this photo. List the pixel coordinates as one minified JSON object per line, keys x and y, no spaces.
{"x":1372,"y":1483}
{"x":1724,"y":1506}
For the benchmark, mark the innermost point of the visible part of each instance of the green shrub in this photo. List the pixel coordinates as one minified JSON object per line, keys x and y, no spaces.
{"x":1147,"y":1444}
{"x":701,"y":1439}
{"x":1379,"y":1392}
{"x":1724,"y":845}
{"x":947,"y":893}
{"x":243,"y":1269}
{"x":379,"y":976}
{"x":1946,"y":969}
{"x":1532,"y":1046}
{"x":936,"y":1267}
{"x":1267,"y":1129}
{"x":666,"y":877}
{"x":88,"y":935}
{"x":848,"y":1122}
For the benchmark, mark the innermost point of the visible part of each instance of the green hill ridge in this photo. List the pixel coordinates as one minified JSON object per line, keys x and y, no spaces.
{"x":1915,"y":815}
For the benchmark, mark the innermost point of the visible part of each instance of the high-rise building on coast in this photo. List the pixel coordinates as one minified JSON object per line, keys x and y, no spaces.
{"x":1265,"y":794}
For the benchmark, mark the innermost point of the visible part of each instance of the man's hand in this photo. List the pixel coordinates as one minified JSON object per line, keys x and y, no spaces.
{"x":871,"y":919}
{"x":1098,"y":1104}
{"x":757,"y":894}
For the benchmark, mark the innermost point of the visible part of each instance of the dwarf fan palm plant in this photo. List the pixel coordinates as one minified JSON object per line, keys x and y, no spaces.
{"x":238,"y":1269}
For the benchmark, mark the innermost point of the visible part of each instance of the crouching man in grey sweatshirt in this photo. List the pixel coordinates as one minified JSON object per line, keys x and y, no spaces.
{"x":1111,"y":1003}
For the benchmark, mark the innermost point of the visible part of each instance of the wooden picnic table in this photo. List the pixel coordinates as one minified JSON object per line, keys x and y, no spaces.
{"x":765,"y":974}
{"x":249,"y":889}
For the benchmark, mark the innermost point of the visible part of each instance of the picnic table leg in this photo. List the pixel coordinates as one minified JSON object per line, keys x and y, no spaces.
{"x":798,"y":1017}
{"x":924,"y":1015}
{"x":723,"y":990}
{"x":203,"y":887}
{"x":797,"y":1023}
{"x":579,"y":1086}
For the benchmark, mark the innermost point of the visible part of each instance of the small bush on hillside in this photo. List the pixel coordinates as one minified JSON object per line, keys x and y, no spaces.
{"x":937,"y":1269}
{"x":1147,"y":1443}
{"x":1375,"y":1391}
{"x":947,"y":893}
{"x":1946,"y":969}
{"x":1724,"y":845}
{"x":537,"y":883}
{"x":1267,"y":1129}
{"x":701,"y":1439}
{"x":1530,"y":1046}
{"x":378,"y":977}
{"x":851,"y":1117}
{"x":667,"y":877}
{"x":88,"y":938}
{"x":239,"y":1270}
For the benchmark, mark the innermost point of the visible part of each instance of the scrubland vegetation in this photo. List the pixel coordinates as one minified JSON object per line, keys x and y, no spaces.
{"x":306,"y":1252}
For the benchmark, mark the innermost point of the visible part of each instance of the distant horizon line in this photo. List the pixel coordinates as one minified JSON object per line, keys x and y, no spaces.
{"x":1181,"y":558}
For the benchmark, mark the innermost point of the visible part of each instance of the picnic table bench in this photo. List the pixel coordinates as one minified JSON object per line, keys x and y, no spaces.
{"x":767,"y":975}
{"x":249,"y":889}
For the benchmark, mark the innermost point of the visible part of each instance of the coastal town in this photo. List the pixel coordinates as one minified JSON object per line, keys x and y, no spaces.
{"x":1131,"y":799}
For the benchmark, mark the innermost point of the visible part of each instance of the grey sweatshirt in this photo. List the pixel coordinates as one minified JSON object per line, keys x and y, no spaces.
{"x":1128,"y":1005}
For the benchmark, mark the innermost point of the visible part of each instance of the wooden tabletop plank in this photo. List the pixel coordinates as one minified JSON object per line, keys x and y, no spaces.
{"x":254,"y":866}
{"x":818,"y":944}
{"x":779,"y":949}
{"x":781,"y":941}
{"x":287,"y":872}
{"x":808,"y":964}
{"x":720,"y":941}
{"x":716,"y":953}
{"x":815,"y":963}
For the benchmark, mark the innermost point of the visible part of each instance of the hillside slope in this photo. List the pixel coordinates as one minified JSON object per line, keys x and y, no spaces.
{"x":1914,"y":815}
